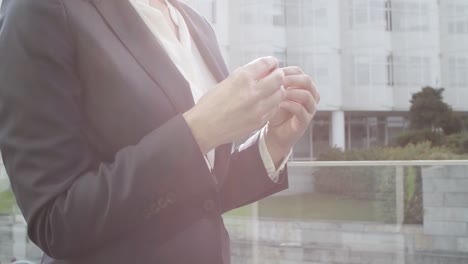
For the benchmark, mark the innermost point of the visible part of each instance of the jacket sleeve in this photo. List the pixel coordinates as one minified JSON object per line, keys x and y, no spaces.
{"x":247,"y":179}
{"x":72,"y":201}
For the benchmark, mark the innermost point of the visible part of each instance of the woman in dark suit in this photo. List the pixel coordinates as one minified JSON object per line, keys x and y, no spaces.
{"x":116,"y":150}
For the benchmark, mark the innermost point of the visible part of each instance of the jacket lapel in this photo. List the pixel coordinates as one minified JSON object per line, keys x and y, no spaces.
{"x":148,"y":52}
{"x":207,"y":45}
{"x":141,"y":43}
{"x":210,"y":52}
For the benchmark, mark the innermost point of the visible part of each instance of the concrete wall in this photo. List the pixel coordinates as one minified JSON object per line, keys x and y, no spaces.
{"x":273,"y":241}
{"x":445,"y":201}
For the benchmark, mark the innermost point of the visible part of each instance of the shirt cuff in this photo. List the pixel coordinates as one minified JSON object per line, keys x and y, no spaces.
{"x":272,"y":172}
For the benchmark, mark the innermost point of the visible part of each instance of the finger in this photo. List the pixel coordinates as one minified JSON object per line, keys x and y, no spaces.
{"x":303,"y":97}
{"x":279,"y":117}
{"x":270,"y":84}
{"x":302,"y":82}
{"x":297,"y":110}
{"x":261,"y":67}
{"x":293,"y":70}
{"x":272,"y":102}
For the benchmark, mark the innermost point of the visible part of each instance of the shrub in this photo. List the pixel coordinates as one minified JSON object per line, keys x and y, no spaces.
{"x":419,"y":136}
{"x":413,"y":213}
{"x":358,"y":182}
{"x":458,"y":143}
{"x":421,"y":151}
{"x":7,"y":201}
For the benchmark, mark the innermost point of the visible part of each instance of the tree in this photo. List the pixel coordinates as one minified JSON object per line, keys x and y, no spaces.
{"x":429,"y":111}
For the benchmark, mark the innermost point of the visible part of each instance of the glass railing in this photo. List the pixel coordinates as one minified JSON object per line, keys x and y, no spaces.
{"x":333,"y":212}
{"x":358,"y":212}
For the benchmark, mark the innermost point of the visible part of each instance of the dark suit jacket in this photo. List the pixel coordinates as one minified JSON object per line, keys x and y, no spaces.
{"x":102,"y":163}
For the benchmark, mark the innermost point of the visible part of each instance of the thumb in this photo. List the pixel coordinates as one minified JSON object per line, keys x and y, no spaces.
{"x":262,"y":67}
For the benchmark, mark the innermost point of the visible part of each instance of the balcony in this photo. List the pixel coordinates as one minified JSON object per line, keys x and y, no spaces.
{"x":335,"y":212}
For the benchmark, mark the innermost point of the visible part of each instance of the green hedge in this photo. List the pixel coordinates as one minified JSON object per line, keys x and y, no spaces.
{"x":458,"y":143}
{"x":421,"y":151}
{"x":455,"y":143}
{"x":419,"y":136}
{"x":7,"y":200}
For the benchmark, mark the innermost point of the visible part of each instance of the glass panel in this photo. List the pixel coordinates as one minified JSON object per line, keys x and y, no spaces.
{"x":367,"y":14}
{"x":14,"y":242}
{"x":320,"y":135}
{"x":358,"y":214}
{"x":302,"y":149}
{"x":458,"y":68}
{"x":412,"y":70}
{"x":410,"y":16}
{"x":357,"y":132}
{"x":457,"y":16}
{"x":279,"y":18}
{"x":281,"y":56}
{"x":370,"y":70}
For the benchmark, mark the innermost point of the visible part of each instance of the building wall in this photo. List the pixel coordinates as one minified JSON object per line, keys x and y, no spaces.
{"x":445,"y":205}
{"x":217,"y":13}
{"x":314,"y":43}
{"x":346,"y":45}
{"x":367,"y":57}
{"x":454,"y":52}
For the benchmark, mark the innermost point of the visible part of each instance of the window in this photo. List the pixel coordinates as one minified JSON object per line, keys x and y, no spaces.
{"x":281,"y":56}
{"x":262,"y":13}
{"x":206,"y":8}
{"x":306,"y":13}
{"x":248,"y":13}
{"x":247,"y":18}
{"x":410,"y":16}
{"x":213,"y":11}
{"x":364,"y":131}
{"x":412,"y":70}
{"x":457,"y":19}
{"x":362,"y":72}
{"x":279,"y":16}
{"x":292,"y":11}
{"x":248,"y":55}
{"x":458,"y":72}
{"x":368,"y":14}
{"x":357,"y":132}
{"x":316,"y":65}
{"x":320,"y":134}
{"x":303,"y":148}
{"x":369,"y":70}
{"x":314,"y":17}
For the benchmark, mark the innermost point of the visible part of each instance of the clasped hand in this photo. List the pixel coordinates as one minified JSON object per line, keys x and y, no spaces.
{"x":254,"y":95}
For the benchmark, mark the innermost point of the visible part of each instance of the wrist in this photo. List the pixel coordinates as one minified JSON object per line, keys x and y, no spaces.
{"x":276,"y":150}
{"x":200,"y":131}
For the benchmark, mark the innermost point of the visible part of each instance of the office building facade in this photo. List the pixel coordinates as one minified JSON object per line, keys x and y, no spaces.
{"x":367,"y":56}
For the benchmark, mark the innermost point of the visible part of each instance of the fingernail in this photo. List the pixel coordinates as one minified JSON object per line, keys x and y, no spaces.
{"x":274,"y":60}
